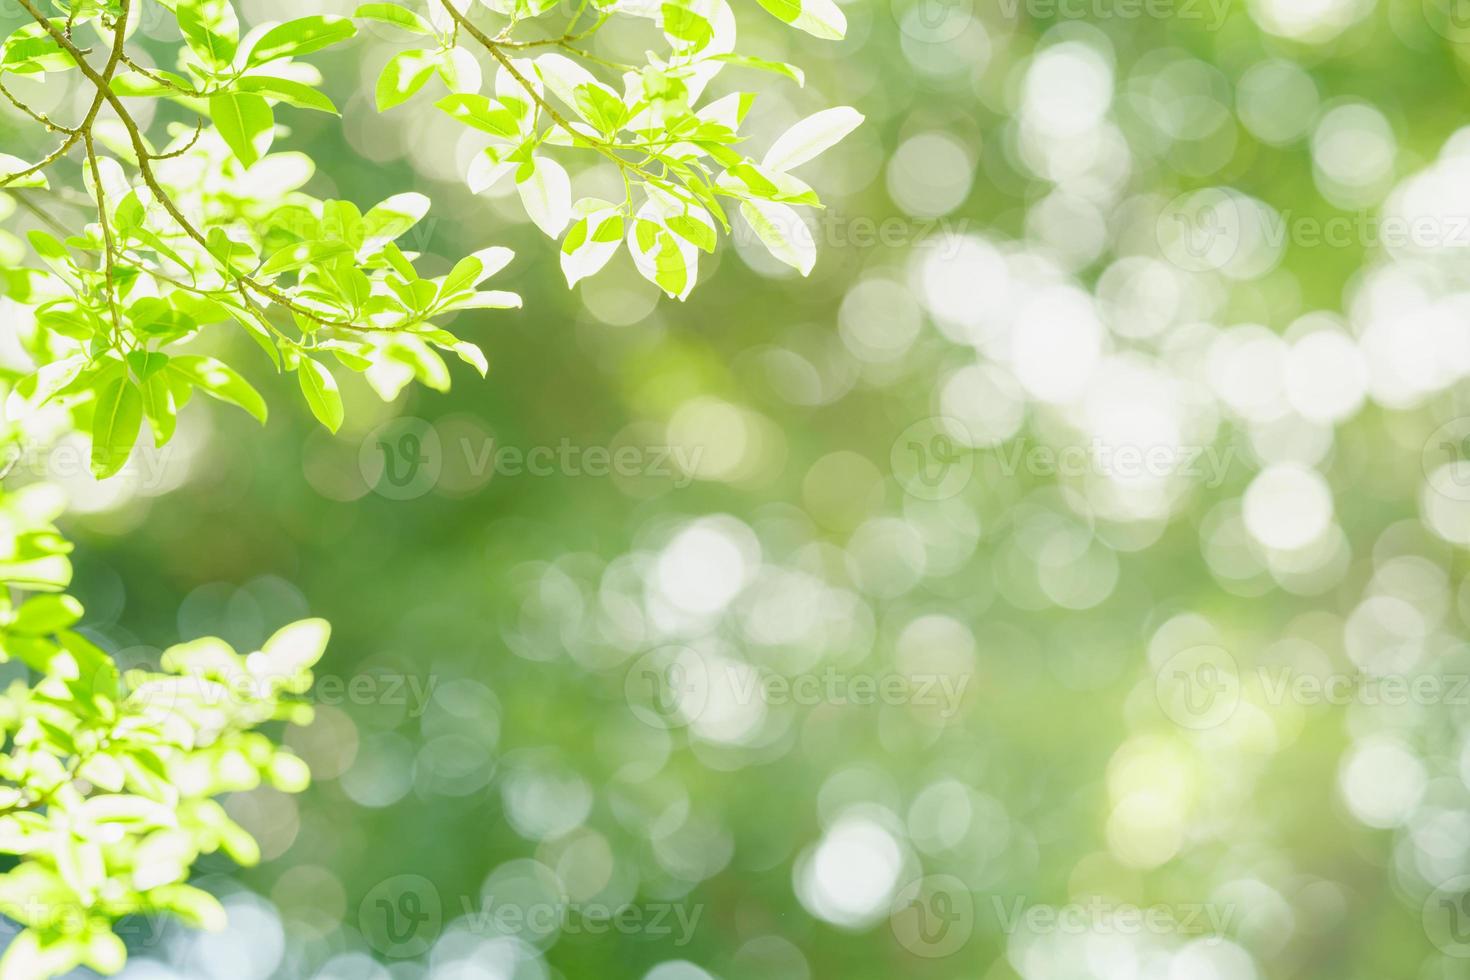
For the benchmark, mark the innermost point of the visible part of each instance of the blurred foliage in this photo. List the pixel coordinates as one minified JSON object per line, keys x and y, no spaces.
{"x":1226,"y":686}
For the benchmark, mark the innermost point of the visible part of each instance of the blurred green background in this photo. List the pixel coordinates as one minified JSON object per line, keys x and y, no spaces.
{"x":1116,"y":454}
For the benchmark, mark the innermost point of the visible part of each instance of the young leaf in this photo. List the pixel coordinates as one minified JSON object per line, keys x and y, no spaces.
{"x":482,"y":113}
{"x":297,"y":37}
{"x":116,"y":419}
{"x":320,"y":389}
{"x":390,"y":219}
{"x":391,"y":13}
{"x":761,"y":64}
{"x":546,"y":192}
{"x":292,"y":649}
{"x":211,"y":29}
{"x":292,"y":93}
{"x":245,"y":122}
{"x":219,"y":381}
{"x":819,"y":18}
{"x":782,"y":232}
{"x":403,"y":75}
{"x":811,"y":136}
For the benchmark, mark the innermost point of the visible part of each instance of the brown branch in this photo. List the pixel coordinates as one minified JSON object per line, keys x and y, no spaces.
{"x":39,"y":117}
{"x":102,"y":81}
{"x":109,"y":243}
{"x":145,"y":156}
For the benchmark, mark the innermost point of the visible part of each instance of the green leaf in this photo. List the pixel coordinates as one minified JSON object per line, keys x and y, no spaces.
{"x":782,"y":232}
{"x":292,"y":93}
{"x":600,"y":107}
{"x":103,"y":951}
{"x":472,"y":356}
{"x":811,"y":136}
{"x":474,"y":269}
{"x":195,"y":906}
{"x":145,"y":363}
{"x":819,"y":18}
{"x":403,"y":75}
{"x":320,"y":389}
{"x":388,"y":220}
{"x":159,"y":408}
{"x":391,"y":13}
{"x":31,"y":957}
{"x":292,"y":649}
{"x":546,"y":193}
{"x":683,"y":24}
{"x":116,"y":419}
{"x":245,"y":122}
{"x":301,"y":36}
{"x":761,"y":64}
{"x":211,"y":29}
{"x":482,"y":113}
{"x":693,"y":230}
{"x":219,"y":381}
{"x":44,"y":615}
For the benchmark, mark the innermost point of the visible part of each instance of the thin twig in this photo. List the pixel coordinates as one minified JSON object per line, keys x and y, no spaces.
{"x":109,"y":243}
